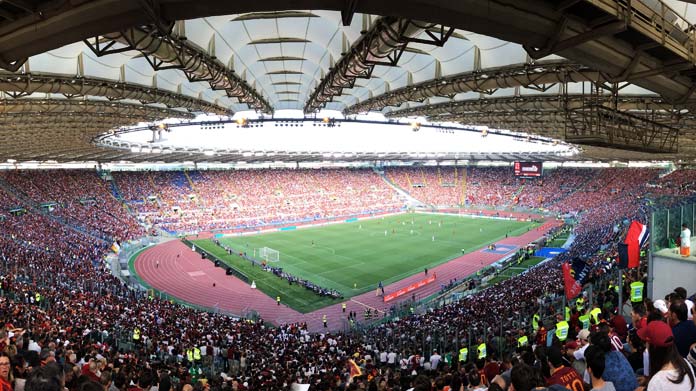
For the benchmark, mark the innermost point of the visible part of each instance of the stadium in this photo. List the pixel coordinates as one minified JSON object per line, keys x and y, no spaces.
{"x":347,"y":195}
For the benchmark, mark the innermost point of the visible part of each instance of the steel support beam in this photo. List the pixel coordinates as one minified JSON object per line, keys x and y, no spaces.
{"x":9,"y":107}
{"x":642,"y":123}
{"x":383,"y":44}
{"x":21,"y":85}
{"x":538,"y":76}
{"x":165,"y":51}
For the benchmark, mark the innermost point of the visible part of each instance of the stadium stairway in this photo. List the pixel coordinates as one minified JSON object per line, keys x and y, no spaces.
{"x":115,"y":190}
{"x":403,"y":193}
{"x":35,"y":207}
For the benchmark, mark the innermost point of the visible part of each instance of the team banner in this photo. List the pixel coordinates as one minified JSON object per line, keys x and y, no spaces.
{"x":575,"y":275}
{"x":409,"y":289}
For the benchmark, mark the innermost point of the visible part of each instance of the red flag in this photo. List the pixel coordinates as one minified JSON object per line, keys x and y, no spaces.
{"x":636,"y":237}
{"x":354,"y":369}
{"x":572,"y":288}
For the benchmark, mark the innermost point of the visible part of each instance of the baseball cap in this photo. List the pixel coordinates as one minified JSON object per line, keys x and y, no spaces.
{"x":657,"y":333}
{"x":661,"y":305}
{"x":584,"y":334}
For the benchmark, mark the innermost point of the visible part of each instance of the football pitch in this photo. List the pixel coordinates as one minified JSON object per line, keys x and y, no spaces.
{"x":354,"y":257}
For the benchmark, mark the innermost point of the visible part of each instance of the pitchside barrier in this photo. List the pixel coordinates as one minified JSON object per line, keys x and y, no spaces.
{"x":667,"y":269}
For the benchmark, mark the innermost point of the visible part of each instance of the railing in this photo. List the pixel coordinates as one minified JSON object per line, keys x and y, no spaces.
{"x":666,"y":225}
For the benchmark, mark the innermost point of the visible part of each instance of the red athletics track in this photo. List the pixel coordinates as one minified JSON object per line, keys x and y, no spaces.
{"x":191,"y":278}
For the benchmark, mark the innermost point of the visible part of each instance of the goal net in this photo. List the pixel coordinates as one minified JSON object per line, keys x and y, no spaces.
{"x":268,"y":254}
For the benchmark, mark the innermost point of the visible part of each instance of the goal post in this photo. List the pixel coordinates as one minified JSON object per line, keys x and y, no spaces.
{"x":269,"y":255}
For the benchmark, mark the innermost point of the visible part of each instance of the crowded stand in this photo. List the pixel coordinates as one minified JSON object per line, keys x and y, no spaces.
{"x":80,"y":197}
{"x":219,"y":200}
{"x":69,"y":323}
{"x":491,"y":186}
{"x":438,"y":186}
{"x":555,"y":185}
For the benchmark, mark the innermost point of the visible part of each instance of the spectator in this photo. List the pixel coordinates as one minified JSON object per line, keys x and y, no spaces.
{"x":596,"y":364}
{"x":668,"y":370}
{"x":561,"y":374}
{"x":684,"y":330}
{"x":5,"y":372}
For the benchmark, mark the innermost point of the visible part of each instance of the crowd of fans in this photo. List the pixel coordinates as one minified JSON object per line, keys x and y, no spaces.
{"x":78,"y":197}
{"x":218,"y":200}
{"x":67,"y":322}
{"x":438,"y":186}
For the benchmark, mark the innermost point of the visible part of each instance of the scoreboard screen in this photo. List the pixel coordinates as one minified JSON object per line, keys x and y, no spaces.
{"x":528,"y":169}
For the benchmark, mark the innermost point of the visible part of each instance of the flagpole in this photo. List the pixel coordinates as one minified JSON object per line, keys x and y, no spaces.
{"x":620,"y":282}
{"x":651,"y":247}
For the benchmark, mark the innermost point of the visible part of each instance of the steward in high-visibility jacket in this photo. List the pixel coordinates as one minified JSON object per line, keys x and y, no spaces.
{"x":594,"y":315}
{"x":637,"y":291}
{"x":522,"y":341}
{"x":535,"y":322}
{"x":481,"y":351}
{"x":189,"y":354}
{"x":567,"y":314}
{"x":584,"y":321}
{"x":463,"y":354}
{"x":136,"y":334}
{"x":196,"y":354}
{"x":580,"y":303}
{"x":562,"y":330}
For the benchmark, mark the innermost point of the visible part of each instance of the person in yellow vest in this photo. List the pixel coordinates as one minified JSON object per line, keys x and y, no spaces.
{"x":323,"y":320}
{"x":567,"y":314}
{"x":637,"y":291}
{"x":37,"y":297}
{"x":343,"y":307}
{"x":189,"y":355}
{"x":584,"y":320}
{"x":535,"y":322}
{"x":463,"y":354}
{"x":580,"y":303}
{"x":594,"y":315}
{"x":562,"y":330}
{"x":481,"y":349}
{"x":136,"y":334}
{"x":278,"y":300}
{"x":522,"y":341}
{"x":196,"y":355}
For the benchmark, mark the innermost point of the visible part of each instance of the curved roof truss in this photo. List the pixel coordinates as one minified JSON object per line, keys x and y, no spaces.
{"x":19,"y":85}
{"x":164,"y":50}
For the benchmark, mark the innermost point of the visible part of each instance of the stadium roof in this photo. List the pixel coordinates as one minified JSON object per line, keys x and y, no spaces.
{"x":617,"y":78}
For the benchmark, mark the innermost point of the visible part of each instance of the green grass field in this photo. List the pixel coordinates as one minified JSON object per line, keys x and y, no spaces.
{"x":354,"y":257}
{"x":515,"y":270}
{"x":559,"y":241}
